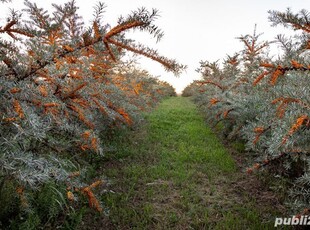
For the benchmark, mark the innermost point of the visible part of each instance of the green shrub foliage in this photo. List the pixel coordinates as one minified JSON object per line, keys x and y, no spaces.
{"x":265,"y":101}
{"x":63,"y":87}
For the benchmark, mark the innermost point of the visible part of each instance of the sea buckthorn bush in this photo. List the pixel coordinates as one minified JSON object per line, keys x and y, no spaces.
{"x":265,"y":101}
{"x":63,"y":87}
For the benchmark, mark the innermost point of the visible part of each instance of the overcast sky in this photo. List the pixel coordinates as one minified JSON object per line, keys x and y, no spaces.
{"x":194,"y":30}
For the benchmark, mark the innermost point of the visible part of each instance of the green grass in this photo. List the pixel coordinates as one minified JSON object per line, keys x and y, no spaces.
{"x":174,"y":173}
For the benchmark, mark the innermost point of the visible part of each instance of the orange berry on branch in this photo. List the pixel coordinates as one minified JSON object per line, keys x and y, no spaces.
{"x":296,"y":64}
{"x":266,"y":64}
{"x":70,"y":196}
{"x":15,"y":90}
{"x":257,"y":166}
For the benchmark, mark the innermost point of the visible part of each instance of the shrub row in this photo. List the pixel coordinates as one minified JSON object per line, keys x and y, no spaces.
{"x":64,"y":90}
{"x":265,"y":101}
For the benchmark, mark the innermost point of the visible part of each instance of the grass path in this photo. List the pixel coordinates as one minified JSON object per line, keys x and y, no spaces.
{"x":174,"y":173}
